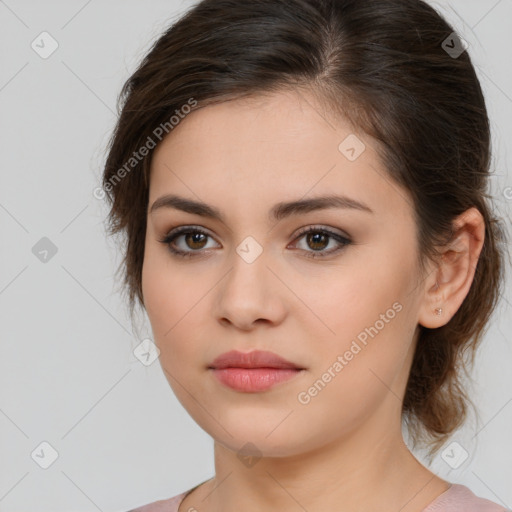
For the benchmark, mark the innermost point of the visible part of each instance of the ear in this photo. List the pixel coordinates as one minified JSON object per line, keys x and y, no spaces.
{"x":448,"y":284}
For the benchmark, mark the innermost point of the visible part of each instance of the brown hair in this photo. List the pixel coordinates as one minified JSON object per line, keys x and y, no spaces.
{"x":384,"y":65}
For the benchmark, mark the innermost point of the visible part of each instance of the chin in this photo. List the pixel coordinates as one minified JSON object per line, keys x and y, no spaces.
{"x":258,"y":446}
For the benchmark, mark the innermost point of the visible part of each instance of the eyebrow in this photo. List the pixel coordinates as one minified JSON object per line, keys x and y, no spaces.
{"x":278,"y":212}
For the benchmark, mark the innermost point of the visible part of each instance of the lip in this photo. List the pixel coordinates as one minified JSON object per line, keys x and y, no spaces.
{"x":253,"y":372}
{"x":254,"y":359}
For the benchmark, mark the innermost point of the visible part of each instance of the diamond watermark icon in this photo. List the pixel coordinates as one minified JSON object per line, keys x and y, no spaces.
{"x":44,"y":250}
{"x":352,"y":147}
{"x":44,"y":45}
{"x":454,"y":455}
{"x":249,"y":250}
{"x":146,"y":352}
{"x":454,"y":45}
{"x":249,"y":455}
{"x":44,"y":455}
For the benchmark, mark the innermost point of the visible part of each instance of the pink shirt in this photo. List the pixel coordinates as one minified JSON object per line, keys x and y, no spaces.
{"x":458,"y":498}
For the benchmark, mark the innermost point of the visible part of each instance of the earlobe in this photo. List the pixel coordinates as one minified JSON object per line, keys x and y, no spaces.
{"x":448,"y":284}
{"x":433,"y":312}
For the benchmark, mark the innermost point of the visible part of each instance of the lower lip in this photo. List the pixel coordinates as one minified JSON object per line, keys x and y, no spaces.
{"x":252,"y":380}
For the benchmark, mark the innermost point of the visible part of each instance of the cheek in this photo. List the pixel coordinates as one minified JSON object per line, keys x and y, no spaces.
{"x":354,"y":298}
{"x":369,"y":310}
{"x":367,"y":355}
{"x":161,"y":291}
{"x":174,"y":304}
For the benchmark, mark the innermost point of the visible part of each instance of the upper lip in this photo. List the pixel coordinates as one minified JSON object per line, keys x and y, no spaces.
{"x":254,"y":359}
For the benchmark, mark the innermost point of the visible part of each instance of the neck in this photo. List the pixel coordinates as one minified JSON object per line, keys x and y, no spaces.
{"x":354,"y":472}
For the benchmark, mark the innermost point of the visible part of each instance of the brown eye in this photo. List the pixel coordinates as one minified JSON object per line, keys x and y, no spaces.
{"x":194,"y":241}
{"x":318,"y":240}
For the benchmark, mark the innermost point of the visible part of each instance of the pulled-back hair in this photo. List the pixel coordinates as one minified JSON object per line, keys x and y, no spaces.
{"x":386,"y":66}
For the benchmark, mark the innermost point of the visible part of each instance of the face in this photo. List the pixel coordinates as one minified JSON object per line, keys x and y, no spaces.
{"x":340,"y":302}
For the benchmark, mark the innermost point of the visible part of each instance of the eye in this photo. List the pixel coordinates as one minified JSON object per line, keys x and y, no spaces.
{"x":318,"y":238}
{"x":196,"y":239}
{"x":193,"y":237}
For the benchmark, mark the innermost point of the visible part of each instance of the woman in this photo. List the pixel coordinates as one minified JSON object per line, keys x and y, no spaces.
{"x":302,"y":187}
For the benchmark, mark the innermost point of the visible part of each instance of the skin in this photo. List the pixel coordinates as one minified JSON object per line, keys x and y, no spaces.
{"x":242,"y":157}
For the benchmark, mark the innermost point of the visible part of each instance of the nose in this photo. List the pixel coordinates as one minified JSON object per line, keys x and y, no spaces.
{"x":250,"y":294}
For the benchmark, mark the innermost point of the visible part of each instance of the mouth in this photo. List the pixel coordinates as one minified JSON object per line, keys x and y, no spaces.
{"x":254,"y":359}
{"x":253,"y":372}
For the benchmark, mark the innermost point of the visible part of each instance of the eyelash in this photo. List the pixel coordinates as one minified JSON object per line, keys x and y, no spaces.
{"x":170,"y":237}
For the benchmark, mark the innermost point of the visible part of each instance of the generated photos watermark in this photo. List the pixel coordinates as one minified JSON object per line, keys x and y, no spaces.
{"x":357,"y":345}
{"x":137,"y":156}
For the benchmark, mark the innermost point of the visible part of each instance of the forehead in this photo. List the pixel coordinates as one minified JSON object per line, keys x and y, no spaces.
{"x":255,"y":124}
{"x":277,"y":146}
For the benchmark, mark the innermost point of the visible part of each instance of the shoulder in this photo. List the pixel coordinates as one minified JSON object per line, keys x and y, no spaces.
{"x":459,"y":498}
{"x":166,"y":505}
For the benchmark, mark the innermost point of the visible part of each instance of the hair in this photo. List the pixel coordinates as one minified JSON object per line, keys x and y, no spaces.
{"x":383,"y":66}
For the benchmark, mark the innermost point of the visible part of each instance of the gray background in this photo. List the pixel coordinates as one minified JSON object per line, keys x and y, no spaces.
{"x":68,"y":373}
